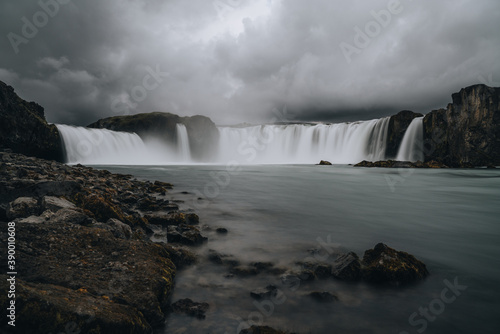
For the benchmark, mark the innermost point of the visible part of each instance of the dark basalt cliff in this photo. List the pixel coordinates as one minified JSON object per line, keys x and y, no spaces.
{"x":202,"y":132}
{"x":398,"y":124}
{"x":467,"y":132}
{"x":23,"y":127}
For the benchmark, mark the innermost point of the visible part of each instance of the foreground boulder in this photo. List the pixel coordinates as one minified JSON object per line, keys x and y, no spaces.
{"x":87,"y":276}
{"x":380,"y":265}
{"x":23,"y":127}
{"x":383,"y":264}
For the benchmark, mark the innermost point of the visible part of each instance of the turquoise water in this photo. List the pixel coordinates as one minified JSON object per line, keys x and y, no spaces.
{"x":449,"y":219}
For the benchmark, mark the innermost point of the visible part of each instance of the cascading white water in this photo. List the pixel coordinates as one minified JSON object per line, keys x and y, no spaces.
{"x":274,"y":144}
{"x":411,"y":148}
{"x":302,"y":143}
{"x":101,"y":146}
{"x":183,"y":142}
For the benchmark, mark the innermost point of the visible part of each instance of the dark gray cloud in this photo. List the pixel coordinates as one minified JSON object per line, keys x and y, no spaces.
{"x":246,"y":61}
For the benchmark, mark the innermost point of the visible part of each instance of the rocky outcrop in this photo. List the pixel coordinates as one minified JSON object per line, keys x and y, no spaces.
{"x":83,"y":256}
{"x":383,"y":264}
{"x":398,"y":124}
{"x":23,"y":127}
{"x":202,"y":132}
{"x":467,"y":132}
{"x":380,"y":265}
{"x":401,"y":164}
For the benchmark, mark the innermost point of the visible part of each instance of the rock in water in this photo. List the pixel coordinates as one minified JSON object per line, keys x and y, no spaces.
{"x":383,"y":264}
{"x":325,"y":163}
{"x":347,"y":267}
{"x":187,"y":306}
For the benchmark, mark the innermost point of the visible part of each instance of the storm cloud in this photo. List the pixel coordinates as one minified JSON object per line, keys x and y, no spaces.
{"x":246,"y":61}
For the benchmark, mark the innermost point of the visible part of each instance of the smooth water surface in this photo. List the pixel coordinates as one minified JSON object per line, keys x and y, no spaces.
{"x":447,"y":218}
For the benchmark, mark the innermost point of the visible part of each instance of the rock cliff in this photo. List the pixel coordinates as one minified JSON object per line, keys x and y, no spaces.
{"x":467,"y":132}
{"x":23,"y":127}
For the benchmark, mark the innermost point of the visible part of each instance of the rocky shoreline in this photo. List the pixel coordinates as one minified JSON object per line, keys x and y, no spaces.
{"x":86,"y":260}
{"x":83,"y":249}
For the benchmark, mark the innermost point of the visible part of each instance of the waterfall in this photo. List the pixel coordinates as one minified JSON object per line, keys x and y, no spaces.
{"x":341,"y":143}
{"x":101,"y":146}
{"x":183,"y":142}
{"x":411,"y":148}
{"x":305,"y":143}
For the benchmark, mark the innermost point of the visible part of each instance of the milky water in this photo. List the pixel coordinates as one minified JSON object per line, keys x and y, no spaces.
{"x":449,"y":219}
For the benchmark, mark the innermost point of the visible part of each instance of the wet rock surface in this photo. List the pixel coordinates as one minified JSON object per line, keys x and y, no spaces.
{"x":83,"y":254}
{"x":401,"y":164}
{"x":188,"y":307}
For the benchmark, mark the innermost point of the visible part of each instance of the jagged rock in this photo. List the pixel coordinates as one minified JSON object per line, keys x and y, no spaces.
{"x":117,"y":228}
{"x":48,"y":308}
{"x":467,"y":132}
{"x":166,"y":219}
{"x":77,"y":272}
{"x":323,"y":297}
{"x":383,"y":264}
{"x":347,"y":267}
{"x":23,"y":127}
{"x":398,"y":124}
{"x":187,"y":306}
{"x":72,"y":216}
{"x":325,"y":163}
{"x":185,"y":234}
{"x":44,"y":217}
{"x":55,"y":204}
{"x":23,"y":207}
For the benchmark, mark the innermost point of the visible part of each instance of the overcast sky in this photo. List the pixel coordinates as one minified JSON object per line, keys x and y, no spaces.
{"x":246,"y":61}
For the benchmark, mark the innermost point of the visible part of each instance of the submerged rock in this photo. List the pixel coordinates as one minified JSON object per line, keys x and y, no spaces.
{"x":268,"y":292}
{"x":187,"y":306}
{"x":262,"y":330}
{"x":323,"y":296}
